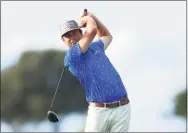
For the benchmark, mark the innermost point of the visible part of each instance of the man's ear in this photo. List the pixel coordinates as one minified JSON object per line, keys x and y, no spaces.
{"x":62,"y":38}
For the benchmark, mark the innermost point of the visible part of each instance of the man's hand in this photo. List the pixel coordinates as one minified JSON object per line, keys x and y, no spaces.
{"x":84,"y":13}
{"x":83,"y":21}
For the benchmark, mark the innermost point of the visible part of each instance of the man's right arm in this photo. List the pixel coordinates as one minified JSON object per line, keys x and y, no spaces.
{"x":89,"y":35}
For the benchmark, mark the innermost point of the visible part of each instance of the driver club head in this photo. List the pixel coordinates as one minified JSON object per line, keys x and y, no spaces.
{"x":52,"y":116}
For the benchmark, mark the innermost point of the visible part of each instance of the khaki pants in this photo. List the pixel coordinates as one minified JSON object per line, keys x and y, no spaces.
{"x":101,"y":119}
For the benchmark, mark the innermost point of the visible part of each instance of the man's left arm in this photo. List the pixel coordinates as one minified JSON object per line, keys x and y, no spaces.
{"x":102,"y":31}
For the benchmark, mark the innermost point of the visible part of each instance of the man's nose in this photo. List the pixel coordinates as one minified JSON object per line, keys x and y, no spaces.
{"x":73,"y":38}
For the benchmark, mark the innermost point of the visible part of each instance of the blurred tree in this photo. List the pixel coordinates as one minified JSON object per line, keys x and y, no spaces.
{"x":181,"y":104}
{"x":28,"y":87}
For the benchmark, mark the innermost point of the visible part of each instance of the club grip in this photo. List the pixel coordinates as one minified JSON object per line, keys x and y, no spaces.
{"x":85,"y":10}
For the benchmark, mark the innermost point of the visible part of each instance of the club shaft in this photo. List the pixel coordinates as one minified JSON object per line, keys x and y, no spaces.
{"x":57,"y":87}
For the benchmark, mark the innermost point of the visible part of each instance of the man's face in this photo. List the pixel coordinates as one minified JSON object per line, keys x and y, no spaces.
{"x":72,"y":37}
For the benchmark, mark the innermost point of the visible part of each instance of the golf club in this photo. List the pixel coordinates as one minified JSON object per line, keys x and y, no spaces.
{"x":52,"y":115}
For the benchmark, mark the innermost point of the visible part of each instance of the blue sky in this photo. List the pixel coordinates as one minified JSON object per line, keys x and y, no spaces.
{"x":148,"y":49}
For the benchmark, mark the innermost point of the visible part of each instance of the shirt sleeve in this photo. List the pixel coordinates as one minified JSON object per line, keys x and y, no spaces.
{"x":99,"y":43}
{"x":76,"y":55}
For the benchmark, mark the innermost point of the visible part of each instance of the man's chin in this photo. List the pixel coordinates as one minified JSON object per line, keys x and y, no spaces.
{"x":73,"y":43}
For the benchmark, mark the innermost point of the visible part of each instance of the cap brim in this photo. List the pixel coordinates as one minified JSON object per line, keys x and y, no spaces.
{"x":71,"y":30}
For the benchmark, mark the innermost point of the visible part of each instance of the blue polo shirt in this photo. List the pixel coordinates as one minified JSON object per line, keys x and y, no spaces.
{"x":97,"y":75}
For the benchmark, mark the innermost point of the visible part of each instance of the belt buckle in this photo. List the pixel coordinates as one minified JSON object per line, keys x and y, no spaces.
{"x":104,"y":105}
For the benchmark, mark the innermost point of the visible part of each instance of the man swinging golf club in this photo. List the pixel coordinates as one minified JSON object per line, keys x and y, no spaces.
{"x":109,"y":107}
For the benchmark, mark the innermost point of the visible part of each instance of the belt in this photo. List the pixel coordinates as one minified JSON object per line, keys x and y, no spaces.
{"x":121,"y":102}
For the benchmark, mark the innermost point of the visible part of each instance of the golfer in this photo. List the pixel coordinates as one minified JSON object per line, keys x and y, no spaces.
{"x":108,"y":103}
